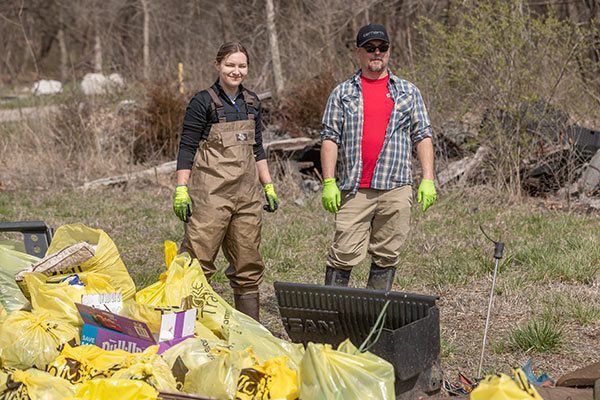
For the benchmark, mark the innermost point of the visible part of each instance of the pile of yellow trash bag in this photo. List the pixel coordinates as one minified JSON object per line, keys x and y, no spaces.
{"x":229,"y":356}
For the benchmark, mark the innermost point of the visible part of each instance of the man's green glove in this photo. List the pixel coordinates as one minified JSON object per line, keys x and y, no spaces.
{"x":271,"y":196}
{"x":426,"y":193}
{"x":331,"y":196}
{"x":182,"y":204}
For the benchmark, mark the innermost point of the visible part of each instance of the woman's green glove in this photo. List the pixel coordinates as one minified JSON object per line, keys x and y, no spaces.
{"x":271,"y":196}
{"x":331,"y":196}
{"x":182,"y":204}
{"x":426,"y":193}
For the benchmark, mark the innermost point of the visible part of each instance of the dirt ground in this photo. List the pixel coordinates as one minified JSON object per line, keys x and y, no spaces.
{"x":462,"y":323}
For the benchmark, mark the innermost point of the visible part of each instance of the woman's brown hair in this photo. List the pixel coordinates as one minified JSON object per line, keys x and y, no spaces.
{"x":228,"y":48}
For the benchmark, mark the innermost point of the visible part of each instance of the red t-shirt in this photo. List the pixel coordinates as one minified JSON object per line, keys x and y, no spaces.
{"x":378,"y":105}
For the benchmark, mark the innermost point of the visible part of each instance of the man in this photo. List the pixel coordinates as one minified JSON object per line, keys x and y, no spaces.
{"x":370,"y":124}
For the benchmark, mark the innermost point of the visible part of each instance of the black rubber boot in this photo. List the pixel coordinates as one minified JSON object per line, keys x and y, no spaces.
{"x":248,"y":304}
{"x":381,"y":278}
{"x":336,"y":277}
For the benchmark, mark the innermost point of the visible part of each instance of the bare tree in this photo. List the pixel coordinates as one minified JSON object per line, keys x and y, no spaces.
{"x":62,"y":43}
{"x":97,"y":47}
{"x":146,"y":39}
{"x":274,"y":46}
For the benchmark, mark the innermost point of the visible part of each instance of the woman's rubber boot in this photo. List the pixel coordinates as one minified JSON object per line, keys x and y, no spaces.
{"x":336,"y":277}
{"x":381,"y":278}
{"x":248,"y":304}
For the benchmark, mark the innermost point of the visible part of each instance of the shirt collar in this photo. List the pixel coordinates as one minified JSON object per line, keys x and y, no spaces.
{"x":357,"y":75}
{"x":219,"y":89}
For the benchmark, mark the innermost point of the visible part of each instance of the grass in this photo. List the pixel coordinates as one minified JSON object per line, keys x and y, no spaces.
{"x":541,"y":336}
{"x":30,"y":100}
{"x":574,"y":308}
{"x":446,"y":247}
{"x":549,"y":272}
{"x":33,"y":101}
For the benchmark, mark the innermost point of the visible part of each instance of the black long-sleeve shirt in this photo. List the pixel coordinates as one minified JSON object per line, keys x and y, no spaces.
{"x":200,"y":115}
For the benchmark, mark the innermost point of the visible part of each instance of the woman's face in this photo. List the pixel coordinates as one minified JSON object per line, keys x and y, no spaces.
{"x":232,"y":70}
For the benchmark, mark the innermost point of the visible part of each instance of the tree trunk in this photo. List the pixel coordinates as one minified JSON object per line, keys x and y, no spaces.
{"x":146,"y":39}
{"x":273,"y":43}
{"x":62,"y":45}
{"x":97,"y":50}
{"x":64,"y":60}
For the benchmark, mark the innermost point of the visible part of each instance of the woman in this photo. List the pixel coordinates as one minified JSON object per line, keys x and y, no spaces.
{"x":221,"y":159}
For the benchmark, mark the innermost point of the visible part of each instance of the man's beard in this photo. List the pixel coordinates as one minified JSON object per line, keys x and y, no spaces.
{"x":376,"y":68}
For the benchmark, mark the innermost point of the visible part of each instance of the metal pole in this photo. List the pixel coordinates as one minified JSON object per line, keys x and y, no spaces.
{"x":487,"y":319}
{"x":498,"y":249}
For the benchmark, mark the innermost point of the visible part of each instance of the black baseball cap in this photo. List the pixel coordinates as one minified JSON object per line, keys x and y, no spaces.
{"x":371,"y":32}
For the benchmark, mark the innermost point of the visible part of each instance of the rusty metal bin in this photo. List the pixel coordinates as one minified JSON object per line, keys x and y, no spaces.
{"x":410,"y":340}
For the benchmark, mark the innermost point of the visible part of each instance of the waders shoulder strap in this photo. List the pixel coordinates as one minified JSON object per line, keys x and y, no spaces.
{"x":250,"y":101}
{"x":217,"y":104}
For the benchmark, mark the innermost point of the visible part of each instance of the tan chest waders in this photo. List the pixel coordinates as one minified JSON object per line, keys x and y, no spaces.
{"x":227,"y":202}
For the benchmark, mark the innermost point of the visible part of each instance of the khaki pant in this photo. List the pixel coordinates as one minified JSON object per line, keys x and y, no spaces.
{"x":227,"y":206}
{"x":371,"y":221}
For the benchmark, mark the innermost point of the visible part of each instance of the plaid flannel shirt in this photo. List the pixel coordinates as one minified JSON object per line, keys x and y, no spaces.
{"x":343,"y":123}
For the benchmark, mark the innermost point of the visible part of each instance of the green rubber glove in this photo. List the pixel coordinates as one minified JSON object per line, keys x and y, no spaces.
{"x":426,"y":193}
{"x":182,"y":204}
{"x":331,"y":196}
{"x":271,"y":196}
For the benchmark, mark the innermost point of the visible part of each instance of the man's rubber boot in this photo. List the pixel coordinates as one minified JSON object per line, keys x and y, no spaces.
{"x":248,"y":304}
{"x":381,"y":278}
{"x":336,"y":277}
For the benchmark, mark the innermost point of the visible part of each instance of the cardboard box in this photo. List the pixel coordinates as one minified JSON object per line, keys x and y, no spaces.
{"x":111,"y":331}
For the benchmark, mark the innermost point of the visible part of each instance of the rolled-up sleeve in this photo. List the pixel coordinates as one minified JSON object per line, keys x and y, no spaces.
{"x":333,"y":118}
{"x":420,"y":126}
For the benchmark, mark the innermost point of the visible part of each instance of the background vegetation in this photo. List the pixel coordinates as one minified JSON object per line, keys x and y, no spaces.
{"x":508,"y":75}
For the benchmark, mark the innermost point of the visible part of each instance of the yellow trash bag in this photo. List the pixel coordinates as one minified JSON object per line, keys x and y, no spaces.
{"x":182,"y":277}
{"x":155,"y":294}
{"x":81,"y":363}
{"x":188,"y":354}
{"x":58,"y":298}
{"x":217,"y":373}
{"x":185,"y":283}
{"x":191,"y":349}
{"x":3,"y":313}
{"x":108,"y":389}
{"x":148,"y":314}
{"x":344,"y":374}
{"x":158,"y":375}
{"x":11,"y":262}
{"x":502,"y":387}
{"x":196,"y":353}
{"x":244,"y":332}
{"x":271,"y":380}
{"x":106,"y":259}
{"x":150,"y":368}
{"x":33,"y":339}
{"x":35,"y":385}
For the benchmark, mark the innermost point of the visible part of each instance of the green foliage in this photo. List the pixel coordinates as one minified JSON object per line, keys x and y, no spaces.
{"x":538,"y":335}
{"x":498,"y":60}
{"x":494,"y":54}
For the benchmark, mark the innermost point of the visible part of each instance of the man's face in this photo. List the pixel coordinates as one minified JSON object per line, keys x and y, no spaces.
{"x":375,"y":61}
